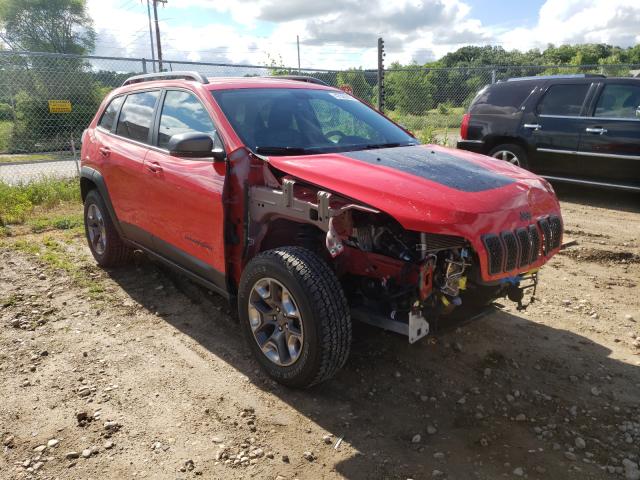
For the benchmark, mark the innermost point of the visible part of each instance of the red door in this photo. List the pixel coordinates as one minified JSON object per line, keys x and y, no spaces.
{"x":185,"y":195}
{"x":123,"y":157}
{"x":187,"y":208}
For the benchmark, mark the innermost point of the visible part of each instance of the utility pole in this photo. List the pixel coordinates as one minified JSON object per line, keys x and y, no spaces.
{"x":298,"y":43}
{"x":380,"y":74}
{"x":153,"y":53}
{"x":155,"y":14}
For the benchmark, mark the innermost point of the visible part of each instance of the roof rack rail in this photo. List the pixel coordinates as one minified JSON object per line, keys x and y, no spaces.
{"x":148,"y":77}
{"x":301,"y":78}
{"x":559,"y":76}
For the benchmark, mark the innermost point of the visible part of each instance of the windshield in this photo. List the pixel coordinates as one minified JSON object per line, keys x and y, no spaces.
{"x":293,"y":121}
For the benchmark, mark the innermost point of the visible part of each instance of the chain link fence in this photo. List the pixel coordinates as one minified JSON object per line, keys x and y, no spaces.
{"x":38,"y":138}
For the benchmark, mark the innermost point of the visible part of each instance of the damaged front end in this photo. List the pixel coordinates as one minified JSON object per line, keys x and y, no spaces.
{"x":394,"y":278}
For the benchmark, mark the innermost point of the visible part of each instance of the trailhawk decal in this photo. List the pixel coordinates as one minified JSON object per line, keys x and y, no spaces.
{"x":440,"y":167}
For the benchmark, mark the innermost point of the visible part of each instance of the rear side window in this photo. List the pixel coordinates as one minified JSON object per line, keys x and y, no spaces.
{"x":137,"y":115}
{"x":504,"y":98}
{"x":619,"y":101}
{"x":109,"y":114}
{"x":182,"y":112}
{"x":563,"y":100}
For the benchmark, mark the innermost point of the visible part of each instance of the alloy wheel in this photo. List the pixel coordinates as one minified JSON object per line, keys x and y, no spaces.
{"x":507,"y":156}
{"x":276,"y":322}
{"x":96,"y":229}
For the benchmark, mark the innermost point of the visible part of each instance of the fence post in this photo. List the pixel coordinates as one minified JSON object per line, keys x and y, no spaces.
{"x":380,"y":74}
{"x":144,"y":65}
{"x":493,"y":76}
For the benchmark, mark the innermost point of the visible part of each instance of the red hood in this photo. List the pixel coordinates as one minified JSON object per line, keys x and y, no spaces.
{"x":431,"y":188}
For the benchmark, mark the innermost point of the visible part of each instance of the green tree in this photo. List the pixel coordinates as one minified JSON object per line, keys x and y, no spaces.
{"x":56,"y":26}
{"x":356,"y":79}
{"x":408,"y":89}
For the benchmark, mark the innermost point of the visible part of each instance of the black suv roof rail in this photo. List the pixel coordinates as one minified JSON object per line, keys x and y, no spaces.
{"x":301,"y":78}
{"x":148,"y":77}
{"x":560,"y":76}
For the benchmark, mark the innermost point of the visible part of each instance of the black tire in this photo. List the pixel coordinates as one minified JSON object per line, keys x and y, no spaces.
{"x":324,"y":314}
{"x":515,"y":150}
{"x":115,"y":251}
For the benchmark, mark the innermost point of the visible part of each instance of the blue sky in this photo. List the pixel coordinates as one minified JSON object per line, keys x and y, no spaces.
{"x":343,"y":33}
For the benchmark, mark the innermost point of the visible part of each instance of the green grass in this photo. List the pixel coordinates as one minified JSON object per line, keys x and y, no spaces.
{"x":38,"y":224}
{"x":437,"y":118}
{"x":18,"y":202}
{"x":6,"y":128}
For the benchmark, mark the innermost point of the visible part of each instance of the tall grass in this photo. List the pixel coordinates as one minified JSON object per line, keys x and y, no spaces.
{"x":17,"y":202}
{"x":6,"y":128}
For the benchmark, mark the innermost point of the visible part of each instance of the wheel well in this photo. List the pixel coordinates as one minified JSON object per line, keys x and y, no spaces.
{"x":86,"y":186}
{"x":495,"y":141}
{"x":283,"y":232}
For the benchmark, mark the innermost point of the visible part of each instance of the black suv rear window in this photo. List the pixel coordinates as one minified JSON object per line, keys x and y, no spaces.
{"x":563,"y":100}
{"x":137,"y":115}
{"x":502,"y":98}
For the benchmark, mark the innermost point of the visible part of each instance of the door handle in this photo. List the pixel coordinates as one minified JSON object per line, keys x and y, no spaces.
{"x":154,"y":167}
{"x":598,"y":130}
{"x":105,"y":151}
{"x":533,"y":126}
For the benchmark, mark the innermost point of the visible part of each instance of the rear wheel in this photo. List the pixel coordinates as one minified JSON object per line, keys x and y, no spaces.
{"x":295,"y":316}
{"x":104,"y":242}
{"x":509,"y":152}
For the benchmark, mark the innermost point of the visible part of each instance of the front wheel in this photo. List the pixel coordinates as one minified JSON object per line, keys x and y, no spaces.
{"x":295,"y":316}
{"x":509,"y":152}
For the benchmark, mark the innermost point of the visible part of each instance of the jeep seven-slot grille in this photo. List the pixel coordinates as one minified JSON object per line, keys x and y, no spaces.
{"x":511,"y":250}
{"x":525,"y":246}
{"x":494,"y":250}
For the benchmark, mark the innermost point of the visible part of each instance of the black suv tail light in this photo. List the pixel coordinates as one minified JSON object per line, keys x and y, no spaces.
{"x":464,"y":126}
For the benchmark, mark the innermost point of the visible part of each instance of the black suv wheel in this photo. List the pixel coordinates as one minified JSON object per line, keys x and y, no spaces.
{"x":511,"y":153}
{"x":104,"y":242}
{"x":295,"y":316}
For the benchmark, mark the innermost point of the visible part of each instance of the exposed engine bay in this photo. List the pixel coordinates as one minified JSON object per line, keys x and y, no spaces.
{"x":396,"y":279}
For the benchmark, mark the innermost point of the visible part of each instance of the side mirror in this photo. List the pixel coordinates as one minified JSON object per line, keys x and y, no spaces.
{"x":191,"y":144}
{"x":218,"y":151}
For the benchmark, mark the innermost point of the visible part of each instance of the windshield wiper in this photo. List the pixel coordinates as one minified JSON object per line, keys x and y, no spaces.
{"x":281,"y":150}
{"x":386,"y":145}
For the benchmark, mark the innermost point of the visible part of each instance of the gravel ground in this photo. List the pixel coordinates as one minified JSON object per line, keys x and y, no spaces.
{"x":138,"y":373}
{"x":14,"y":173}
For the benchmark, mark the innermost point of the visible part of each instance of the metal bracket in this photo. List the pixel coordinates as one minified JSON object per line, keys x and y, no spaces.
{"x":418,"y":327}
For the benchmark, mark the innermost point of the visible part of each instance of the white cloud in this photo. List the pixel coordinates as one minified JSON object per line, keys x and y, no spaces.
{"x":580,"y":21}
{"x":343,"y":33}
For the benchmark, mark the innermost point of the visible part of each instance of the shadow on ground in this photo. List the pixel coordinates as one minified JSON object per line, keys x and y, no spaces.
{"x":598,"y":197}
{"x":457,"y":382}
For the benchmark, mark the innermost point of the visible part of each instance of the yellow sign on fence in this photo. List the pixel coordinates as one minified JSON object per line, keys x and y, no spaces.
{"x":59,"y":106}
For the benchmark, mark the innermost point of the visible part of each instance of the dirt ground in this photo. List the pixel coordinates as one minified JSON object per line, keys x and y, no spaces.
{"x":137,"y":373}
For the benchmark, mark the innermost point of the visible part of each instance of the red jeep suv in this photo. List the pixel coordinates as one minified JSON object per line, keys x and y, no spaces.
{"x":309,"y":209}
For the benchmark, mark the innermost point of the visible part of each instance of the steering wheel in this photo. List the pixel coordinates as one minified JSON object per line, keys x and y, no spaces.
{"x":334,"y":133}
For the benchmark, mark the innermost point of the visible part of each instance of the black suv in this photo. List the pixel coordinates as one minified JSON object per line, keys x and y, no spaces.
{"x":573,"y":128}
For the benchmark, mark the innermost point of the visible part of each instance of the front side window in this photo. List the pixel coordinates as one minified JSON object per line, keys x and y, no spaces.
{"x":619,"y":101}
{"x":109,"y":115}
{"x":563,"y":100}
{"x":182,"y":112}
{"x":136,"y":116}
{"x":294,"y":121}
